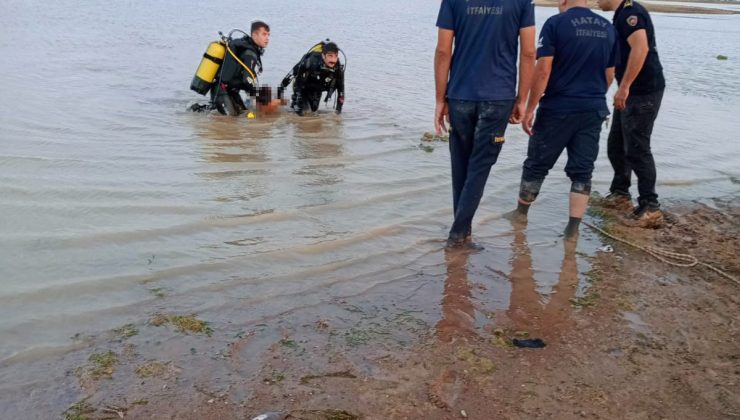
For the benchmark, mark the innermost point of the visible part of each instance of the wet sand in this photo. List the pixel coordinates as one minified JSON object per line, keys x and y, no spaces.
{"x":645,"y":340}
{"x":666,"y":8}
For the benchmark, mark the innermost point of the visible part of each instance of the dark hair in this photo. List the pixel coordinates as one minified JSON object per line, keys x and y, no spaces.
{"x":330,"y":47}
{"x":258,"y":24}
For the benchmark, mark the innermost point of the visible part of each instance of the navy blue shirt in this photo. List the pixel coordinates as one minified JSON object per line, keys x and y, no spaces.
{"x":486,"y":46}
{"x":583,"y":45}
{"x":630,"y":17}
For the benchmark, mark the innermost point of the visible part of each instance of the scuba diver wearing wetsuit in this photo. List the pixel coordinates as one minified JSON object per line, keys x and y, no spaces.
{"x":318,"y":71}
{"x":241,"y":65}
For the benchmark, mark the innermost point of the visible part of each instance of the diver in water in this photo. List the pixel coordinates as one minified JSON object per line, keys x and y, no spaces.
{"x":230,"y":66}
{"x":318,"y":71}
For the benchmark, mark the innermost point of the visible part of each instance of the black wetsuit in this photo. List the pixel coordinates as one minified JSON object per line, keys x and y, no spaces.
{"x":233,"y":77}
{"x":312,"y":78}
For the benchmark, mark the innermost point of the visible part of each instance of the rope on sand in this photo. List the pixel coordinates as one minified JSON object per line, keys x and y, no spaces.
{"x":671,"y":258}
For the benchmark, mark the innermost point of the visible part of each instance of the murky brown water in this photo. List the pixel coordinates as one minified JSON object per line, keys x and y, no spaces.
{"x":112,"y":194}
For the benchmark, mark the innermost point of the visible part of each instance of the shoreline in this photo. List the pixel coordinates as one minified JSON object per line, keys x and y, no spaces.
{"x":644,"y":339}
{"x":665,"y":8}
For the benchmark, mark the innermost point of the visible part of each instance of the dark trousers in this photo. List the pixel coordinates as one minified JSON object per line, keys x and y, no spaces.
{"x":554,"y":132}
{"x":476,"y":138}
{"x":305,"y":99}
{"x":628,"y":146}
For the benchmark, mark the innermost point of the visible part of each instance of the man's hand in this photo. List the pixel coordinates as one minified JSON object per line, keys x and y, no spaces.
{"x":528,"y":122}
{"x":441,"y":115}
{"x":518,"y":112}
{"x":620,"y":98}
{"x":340,"y":104}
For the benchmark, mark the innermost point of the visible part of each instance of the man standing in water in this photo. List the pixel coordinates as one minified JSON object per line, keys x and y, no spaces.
{"x":476,"y":92}
{"x":575,"y":66}
{"x":636,"y":104}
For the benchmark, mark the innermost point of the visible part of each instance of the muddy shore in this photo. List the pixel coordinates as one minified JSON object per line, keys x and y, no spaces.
{"x":645,"y":340}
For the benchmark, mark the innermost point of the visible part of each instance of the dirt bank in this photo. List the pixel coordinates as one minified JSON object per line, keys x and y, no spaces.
{"x":644,"y":340}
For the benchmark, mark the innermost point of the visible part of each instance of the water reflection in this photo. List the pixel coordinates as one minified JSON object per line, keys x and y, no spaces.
{"x":458,"y":312}
{"x":529,"y":310}
{"x":236,"y":159}
{"x":319,"y":141}
{"x":231,"y":140}
{"x":317,"y":137}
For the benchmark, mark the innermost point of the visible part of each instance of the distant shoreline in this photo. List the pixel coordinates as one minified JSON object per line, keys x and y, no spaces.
{"x":720,"y":2}
{"x":668,"y":8}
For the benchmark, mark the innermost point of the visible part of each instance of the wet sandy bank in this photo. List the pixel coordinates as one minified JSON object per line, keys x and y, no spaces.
{"x":644,"y":340}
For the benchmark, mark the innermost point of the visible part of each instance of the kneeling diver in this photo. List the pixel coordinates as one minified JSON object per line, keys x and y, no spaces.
{"x":318,"y":71}
{"x":230,"y":66}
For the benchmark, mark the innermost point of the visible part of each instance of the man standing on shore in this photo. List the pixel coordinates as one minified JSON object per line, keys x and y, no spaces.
{"x":476,"y":91}
{"x":636,"y":104}
{"x":575,"y":66}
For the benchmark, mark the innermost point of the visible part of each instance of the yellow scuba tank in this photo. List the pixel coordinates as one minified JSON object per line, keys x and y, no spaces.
{"x":318,"y":47}
{"x":208,"y":68}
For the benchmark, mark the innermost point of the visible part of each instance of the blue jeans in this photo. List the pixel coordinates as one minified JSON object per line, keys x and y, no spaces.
{"x":476,"y":137}
{"x":555,"y":132}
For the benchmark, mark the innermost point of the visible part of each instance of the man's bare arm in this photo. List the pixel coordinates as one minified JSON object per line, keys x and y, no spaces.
{"x":539,"y":85}
{"x":527,"y":55}
{"x":442,"y":62}
{"x":638,"y":53}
